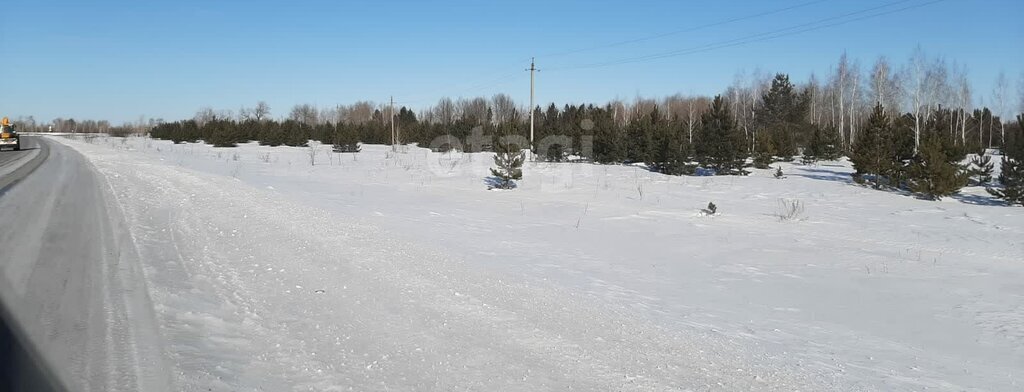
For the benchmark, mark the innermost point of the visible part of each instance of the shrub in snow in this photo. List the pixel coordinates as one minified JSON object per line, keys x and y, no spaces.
{"x":712,"y":209}
{"x":789,"y":210}
{"x":778,"y":173}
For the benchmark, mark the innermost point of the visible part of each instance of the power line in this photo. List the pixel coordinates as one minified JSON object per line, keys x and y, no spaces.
{"x":788,"y":31}
{"x":687,"y":30}
{"x":503,"y":79}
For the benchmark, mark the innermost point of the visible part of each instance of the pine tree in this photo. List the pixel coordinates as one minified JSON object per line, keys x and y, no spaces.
{"x":781,"y":116}
{"x":346,"y":139}
{"x":640,"y":137}
{"x":1011,"y":180}
{"x":296,"y":134}
{"x":671,"y":150}
{"x":980,"y":169}
{"x":872,"y":151}
{"x":933,"y":173}
{"x":765,"y":154}
{"x":720,"y":146}
{"x":271,"y":134}
{"x":815,"y":147}
{"x":509,"y":159}
{"x":1011,"y":176}
{"x":779,"y":174}
{"x":609,"y":146}
{"x":830,"y":149}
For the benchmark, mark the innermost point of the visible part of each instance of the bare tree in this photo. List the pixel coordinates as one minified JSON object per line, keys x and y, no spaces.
{"x":473,"y":110}
{"x":999,"y":95}
{"x":504,"y":109}
{"x":358,"y":113}
{"x":675,"y":106}
{"x":445,"y":111}
{"x":204,"y":115}
{"x":313,"y":149}
{"x":964,"y":98}
{"x":620,"y":114}
{"x":915,"y":72}
{"x":642,"y":106}
{"x":261,"y":111}
{"x":245,"y":114}
{"x":813,"y":89}
{"x":304,"y":113}
{"x":885,"y":85}
{"x":445,"y":114}
{"x":841,"y":82}
{"x":855,"y":99}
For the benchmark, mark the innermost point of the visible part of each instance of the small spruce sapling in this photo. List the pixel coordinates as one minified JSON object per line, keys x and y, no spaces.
{"x":778,"y":173}
{"x":980,"y":169}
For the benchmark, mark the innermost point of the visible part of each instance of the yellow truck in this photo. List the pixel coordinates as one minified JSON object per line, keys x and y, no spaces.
{"x":8,"y":136}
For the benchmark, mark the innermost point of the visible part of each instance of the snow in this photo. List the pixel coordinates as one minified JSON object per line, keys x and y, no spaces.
{"x":402,"y":271}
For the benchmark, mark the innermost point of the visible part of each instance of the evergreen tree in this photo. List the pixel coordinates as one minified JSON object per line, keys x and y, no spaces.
{"x":1011,"y":176}
{"x":815,"y":148}
{"x":296,"y":134}
{"x":640,"y":137}
{"x":980,"y":169}
{"x":935,"y":172}
{"x":778,"y":173}
{"x":250,"y":129}
{"x":830,"y":149}
{"x":781,"y":116}
{"x":872,"y":151}
{"x":271,"y":134}
{"x":190,"y":131}
{"x":720,"y":146}
{"x":1011,"y":180}
{"x":671,"y":150}
{"x":221,"y":133}
{"x":346,"y":138}
{"x":764,"y":153}
{"x":609,"y":145}
{"x":509,"y":159}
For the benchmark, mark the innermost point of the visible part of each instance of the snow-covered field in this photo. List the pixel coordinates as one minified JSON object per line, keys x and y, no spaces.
{"x":399,"y":270}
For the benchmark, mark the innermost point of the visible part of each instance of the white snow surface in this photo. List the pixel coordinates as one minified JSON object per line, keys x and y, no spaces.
{"x":388,"y":270}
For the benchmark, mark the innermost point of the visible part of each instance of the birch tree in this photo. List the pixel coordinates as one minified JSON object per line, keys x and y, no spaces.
{"x":915,"y":74}
{"x":964,"y":96}
{"x":840,"y":82}
{"x":999,"y":95}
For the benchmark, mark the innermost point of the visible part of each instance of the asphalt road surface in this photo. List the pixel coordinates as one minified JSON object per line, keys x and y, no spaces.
{"x":8,"y":156}
{"x":69,"y":276}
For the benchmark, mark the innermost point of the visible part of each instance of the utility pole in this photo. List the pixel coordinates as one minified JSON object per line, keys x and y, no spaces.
{"x":393,"y":147}
{"x":532,"y":70}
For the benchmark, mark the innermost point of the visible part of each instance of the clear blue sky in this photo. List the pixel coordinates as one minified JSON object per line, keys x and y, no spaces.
{"x":118,"y":60}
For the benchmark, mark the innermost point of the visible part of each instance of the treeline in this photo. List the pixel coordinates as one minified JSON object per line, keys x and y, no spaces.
{"x":898,"y":151}
{"x":70,"y":125}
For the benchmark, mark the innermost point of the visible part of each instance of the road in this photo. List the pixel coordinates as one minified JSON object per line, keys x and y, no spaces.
{"x":69,"y":274}
{"x":7,"y":157}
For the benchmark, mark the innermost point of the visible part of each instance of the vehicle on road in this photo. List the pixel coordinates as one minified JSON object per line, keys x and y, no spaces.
{"x":8,"y":135}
